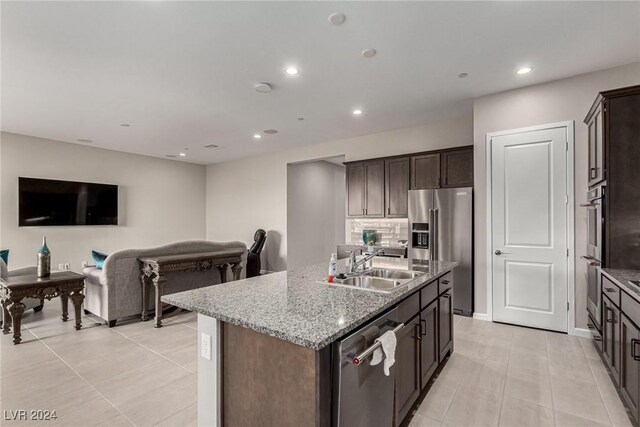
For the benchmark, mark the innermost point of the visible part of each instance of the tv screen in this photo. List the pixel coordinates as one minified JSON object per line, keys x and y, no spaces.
{"x":44,"y":202}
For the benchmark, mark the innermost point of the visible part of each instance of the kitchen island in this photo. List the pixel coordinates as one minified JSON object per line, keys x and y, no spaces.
{"x":270,"y":346}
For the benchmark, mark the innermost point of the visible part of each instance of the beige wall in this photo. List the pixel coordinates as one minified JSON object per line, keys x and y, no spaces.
{"x":251,"y":193}
{"x":562,"y":100}
{"x":315,"y":212}
{"x":160,"y":201}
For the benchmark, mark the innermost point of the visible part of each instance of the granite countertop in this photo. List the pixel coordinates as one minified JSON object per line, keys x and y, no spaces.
{"x":622,"y":277}
{"x":294,"y":306}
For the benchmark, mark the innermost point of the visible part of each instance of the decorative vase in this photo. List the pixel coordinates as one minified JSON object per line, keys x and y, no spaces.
{"x":44,"y":259}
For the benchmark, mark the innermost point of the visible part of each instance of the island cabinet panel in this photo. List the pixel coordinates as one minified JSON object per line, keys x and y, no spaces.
{"x":429,"y":357}
{"x":374,"y":172}
{"x":425,"y":171}
{"x":270,"y":382}
{"x":407,"y":368}
{"x":397,"y":180}
{"x":457,"y":168}
{"x":630,"y":364}
{"x":445,"y":324}
{"x":355,"y":189}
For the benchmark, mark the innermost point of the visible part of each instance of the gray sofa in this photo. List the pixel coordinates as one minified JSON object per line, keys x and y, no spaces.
{"x":115,"y":292}
{"x":30,"y":303}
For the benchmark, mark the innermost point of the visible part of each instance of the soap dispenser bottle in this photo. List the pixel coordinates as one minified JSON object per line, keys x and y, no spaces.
{"x":333,"y":268}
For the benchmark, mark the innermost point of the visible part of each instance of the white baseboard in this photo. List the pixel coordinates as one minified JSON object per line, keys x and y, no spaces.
{"x":580,"y":332}
{"x":481,"y":316}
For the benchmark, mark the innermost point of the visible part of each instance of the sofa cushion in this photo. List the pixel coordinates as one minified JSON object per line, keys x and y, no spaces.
{"x":4,"y":255}
{"x":98,"y":258}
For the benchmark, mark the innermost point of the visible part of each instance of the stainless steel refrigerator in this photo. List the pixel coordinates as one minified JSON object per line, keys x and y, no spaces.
{"x":441,"y":228}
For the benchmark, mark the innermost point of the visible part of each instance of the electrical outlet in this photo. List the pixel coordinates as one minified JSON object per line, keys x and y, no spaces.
{"x":60,"y":267}
{"x":205,"y":346}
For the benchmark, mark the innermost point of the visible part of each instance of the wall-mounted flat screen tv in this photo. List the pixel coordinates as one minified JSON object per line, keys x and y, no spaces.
{"x":44,"y":202}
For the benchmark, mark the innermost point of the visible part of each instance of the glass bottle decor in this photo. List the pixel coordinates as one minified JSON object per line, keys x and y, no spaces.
{"x":44,"y":259}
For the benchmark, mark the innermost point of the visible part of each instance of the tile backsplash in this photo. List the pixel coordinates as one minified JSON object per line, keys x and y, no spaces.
{"x":389,"y":230}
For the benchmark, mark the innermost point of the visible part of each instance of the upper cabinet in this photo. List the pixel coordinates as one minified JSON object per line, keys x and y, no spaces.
{"x":446,"y":169}
{"x":397,"y":175}
{"x":456,"y":168}
{"x":379,"y":188}
{"x":595,"y":121}
{"x":425,"y":171}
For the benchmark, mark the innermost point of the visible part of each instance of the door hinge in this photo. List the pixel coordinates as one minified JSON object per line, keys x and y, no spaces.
{"x":567,"y":253}
{"x":567,"y":145}
{"x":567,"y":306}
{"x":566,"y":199}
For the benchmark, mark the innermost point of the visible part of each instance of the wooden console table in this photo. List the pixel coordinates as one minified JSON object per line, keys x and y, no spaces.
{"x":153,"y":270}
{"x":65,"y":284}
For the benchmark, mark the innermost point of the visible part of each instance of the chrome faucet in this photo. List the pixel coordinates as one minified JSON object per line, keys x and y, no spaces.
{"x":353,"y":264}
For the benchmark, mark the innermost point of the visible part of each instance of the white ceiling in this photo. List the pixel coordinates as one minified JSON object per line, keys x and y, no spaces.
{"x":182,"y":73}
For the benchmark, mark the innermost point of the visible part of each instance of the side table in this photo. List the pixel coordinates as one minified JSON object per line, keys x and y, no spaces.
{"x":65,"y":284}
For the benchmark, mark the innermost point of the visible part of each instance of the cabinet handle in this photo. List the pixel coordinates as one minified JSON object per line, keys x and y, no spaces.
{"x":592,"y":173}
{"x":388,"y":211}
{"x":634,"y":353}
{"x":609,"y":320}
{"x":424,"y":332}
{"x":418,"y":336}
{"x":362,"y":211}
{"x":366,"y":211}
{"x":438,"y":182}
{"x":609,"y":289}
{"x":445,"y":282}
{"x":446,"y":296}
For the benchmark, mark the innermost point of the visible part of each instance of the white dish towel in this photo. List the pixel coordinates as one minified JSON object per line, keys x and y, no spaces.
{"x":386,"y":351}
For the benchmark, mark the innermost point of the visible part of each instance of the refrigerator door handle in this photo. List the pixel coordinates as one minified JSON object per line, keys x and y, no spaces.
{"x":436,"y":231}
{"x":431,"y":234}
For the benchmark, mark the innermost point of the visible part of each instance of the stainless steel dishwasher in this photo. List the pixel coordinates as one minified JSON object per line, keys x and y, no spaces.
{"x":363,"y":395}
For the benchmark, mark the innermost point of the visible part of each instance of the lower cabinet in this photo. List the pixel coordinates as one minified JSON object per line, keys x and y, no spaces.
{"x":407,"y":368}
{"x":611,"y":337}
{"x":445,"y":324}
{"x":429,"y":357}
{"x":630,"y":364}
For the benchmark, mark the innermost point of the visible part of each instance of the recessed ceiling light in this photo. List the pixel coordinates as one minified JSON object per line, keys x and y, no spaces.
{"x":463,"y":75}
{"x":270,"y":131}
{"x":257,"y":136}
{"x":85,"y":140}
{"x":337,"y":18}
{"x":524,"y":70}
{"x":357,"y":112}
{"x":183,"y":154}
{"x":369,"y":53}
{"x":125,"y":125}
{"x":292,"y":71}
{"x":263,"y":87}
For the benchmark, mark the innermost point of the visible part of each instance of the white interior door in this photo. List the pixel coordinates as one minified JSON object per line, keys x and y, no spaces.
{"x":529,"y":228}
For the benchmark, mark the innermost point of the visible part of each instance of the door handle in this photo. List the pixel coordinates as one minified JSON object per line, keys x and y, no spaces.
{"x":499,"y":252}
{"x":423,"y":322}
{"x":418,"y":328}
{"x":634,"y":353}
{"x":609,"y":289}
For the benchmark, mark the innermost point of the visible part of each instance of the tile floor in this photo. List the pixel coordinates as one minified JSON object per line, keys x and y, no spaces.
{"x":134,"y":374}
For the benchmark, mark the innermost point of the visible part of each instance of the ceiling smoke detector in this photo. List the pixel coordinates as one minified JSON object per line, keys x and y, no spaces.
{"x":369,"y":53}
{"x":463,"y":75}
{"x":125,"y":125}
{"x":270,"y":131}
{"x":337,"y":18}
{"x":263,"y":87}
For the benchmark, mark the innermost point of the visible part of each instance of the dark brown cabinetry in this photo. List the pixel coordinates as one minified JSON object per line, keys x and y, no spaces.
{"x":429,"y":355}
{"x":630,"y":364}
{"x":365,"y":189}
{"x":407,"y":367}
{"x":445,"y":324}
{"x":611,"y":337}
{"x":355,"y":189}
{"x":425,"y":171}
{"x":456,"y":168}
{"x":596,"y":144}
{"x":397,"y":175}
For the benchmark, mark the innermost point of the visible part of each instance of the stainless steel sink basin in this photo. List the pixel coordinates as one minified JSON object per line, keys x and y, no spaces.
{"x":393,"y":274}
{"x":378,"y":280}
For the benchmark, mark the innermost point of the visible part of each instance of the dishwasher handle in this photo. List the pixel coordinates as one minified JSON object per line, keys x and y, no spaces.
{"x":358,"y":359}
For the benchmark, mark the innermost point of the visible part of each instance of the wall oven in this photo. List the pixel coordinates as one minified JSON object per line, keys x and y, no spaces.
{"x":595,"y":256}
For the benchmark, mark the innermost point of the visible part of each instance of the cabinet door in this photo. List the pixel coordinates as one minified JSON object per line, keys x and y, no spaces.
{"x":429,"y":356}
{"x":596,"y":146}
{"x":407,"y":368}
{"x":445,"y":324}
{"x":397,"y":179}
{"x":630,"y":365}
{"x":457,"y":168}
{"x":374,"y":184}
{"x":425,"y":171}
{"x":355,"y":189}
{"x":607,"y":332}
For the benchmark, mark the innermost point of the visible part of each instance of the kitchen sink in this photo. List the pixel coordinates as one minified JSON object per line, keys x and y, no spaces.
{"x":378,"y":280}
{"x":392,"y":274}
